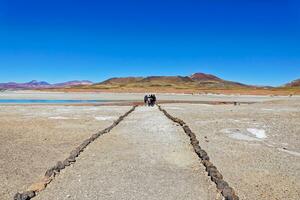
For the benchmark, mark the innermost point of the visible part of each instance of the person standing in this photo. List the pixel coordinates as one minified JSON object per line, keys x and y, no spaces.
{"x":145,"y":99}
{"x":154,"y":99}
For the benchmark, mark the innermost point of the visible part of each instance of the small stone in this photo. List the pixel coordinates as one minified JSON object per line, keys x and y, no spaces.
{"x":228,"y":193}
{"x":59,"y":166}
{"x":49,"y":172}
{"x":207,"y":163}
{"x":66,"y":163}
{"x":24,"y":196}
{"x":221,"y":184}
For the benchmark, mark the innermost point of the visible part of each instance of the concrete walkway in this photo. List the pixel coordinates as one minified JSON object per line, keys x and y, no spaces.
{"x":145,"y":157}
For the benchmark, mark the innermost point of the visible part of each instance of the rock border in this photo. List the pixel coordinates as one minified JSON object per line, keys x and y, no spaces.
{"x":60,"y":165}
{"x":214,"y":174}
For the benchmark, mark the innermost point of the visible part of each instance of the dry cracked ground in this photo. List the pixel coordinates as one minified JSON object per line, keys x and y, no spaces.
{"x":256,"y":147}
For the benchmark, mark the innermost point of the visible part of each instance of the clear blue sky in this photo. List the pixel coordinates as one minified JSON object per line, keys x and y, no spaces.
{"x":251,"y":41}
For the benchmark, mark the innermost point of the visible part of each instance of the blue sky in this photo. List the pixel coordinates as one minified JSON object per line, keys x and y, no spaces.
{"x":251,"y":41}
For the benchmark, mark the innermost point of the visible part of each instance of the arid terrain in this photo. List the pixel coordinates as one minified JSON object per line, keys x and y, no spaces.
{"x":33,"y":138}
{"x":197,"y":83}
{"x":255,"y":145}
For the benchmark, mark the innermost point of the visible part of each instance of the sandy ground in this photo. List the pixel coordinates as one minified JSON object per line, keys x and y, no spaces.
{"x":256,"y":147}
{"x":142,"y":158}
{"x":34,"y":138}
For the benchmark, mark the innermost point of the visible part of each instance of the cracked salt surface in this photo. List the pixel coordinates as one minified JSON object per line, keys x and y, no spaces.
{"x":250,"y":134}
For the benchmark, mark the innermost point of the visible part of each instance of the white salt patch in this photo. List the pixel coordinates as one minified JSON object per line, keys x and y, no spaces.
{"x":241,"y":136}
{"x":227,"y":131}
{"x":267,"y":109}
{"x":104,"y":118}
{"x":294,"y":153}
{"x":58,"y":117}
{"x":259,"y":133}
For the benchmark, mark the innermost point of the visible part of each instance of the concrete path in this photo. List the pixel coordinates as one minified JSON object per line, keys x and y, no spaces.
{"x":145,"y":157}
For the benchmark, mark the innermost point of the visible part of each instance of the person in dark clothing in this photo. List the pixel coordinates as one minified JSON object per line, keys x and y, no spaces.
{"x":150,"y":100}
{"x":146,"y":99}
{"x":154,"y":99}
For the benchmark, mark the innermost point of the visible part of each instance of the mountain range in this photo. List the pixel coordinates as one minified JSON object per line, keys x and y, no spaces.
{"x":43,"y":84}
{"x":195,"y":81}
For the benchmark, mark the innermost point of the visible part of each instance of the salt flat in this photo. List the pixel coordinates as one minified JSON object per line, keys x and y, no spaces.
{"x":27,"y":94}
{"x":34,"y":138}
{"x":145,"y":157}
{"x":255,"y":146}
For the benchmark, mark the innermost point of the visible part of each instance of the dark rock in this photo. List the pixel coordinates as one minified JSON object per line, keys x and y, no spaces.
{"x":228,"y":193}
{"x":74,"y":153}
{"x":197,"y":149}
{"x":66,"y":163}
{"x":211,"y":170}
{"x":18,"y":196}
{"x":24,"y":196}
{"x":49,"y":172}
{"x":94,"y":136}
{"x":71,"y":159}
{"x":195,"y":142}
{"x":221,"y":184}
{"x":215,"y":175}
{"x":203,"y":155}
{"x":59,"y":166}
{"x":207,"y":163}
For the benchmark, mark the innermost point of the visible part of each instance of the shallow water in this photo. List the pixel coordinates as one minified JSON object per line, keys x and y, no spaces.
{"x":48,"y":101}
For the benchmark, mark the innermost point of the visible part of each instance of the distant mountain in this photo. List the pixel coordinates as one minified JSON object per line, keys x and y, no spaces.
{"x":204,"y":77}
{"x":35,"y":83}
{"x":126,"y":80}
{"x":31,"y":84}
{"x":73,"y":83}
{"x":195,"y":81}
{"x":295,"y":83}
{"x":209,"y":80}
{"x":42,"y":84}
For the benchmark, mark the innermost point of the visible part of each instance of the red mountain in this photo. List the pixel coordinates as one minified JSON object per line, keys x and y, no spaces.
{"x":197,"y":80}
{"x":204,"y":77}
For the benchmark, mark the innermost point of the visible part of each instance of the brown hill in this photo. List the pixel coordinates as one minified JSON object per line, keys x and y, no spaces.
{"x":295,"y":83}
{"x":211,"y":81}
{"x":125,"y":80}
{"x":204,"y":77}
{"x":195,"y":81}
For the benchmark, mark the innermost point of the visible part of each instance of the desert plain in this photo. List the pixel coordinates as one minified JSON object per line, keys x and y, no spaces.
{"x":255,"y":144}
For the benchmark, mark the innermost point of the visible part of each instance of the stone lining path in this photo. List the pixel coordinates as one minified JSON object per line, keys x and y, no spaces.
{"x":145,"y":157}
